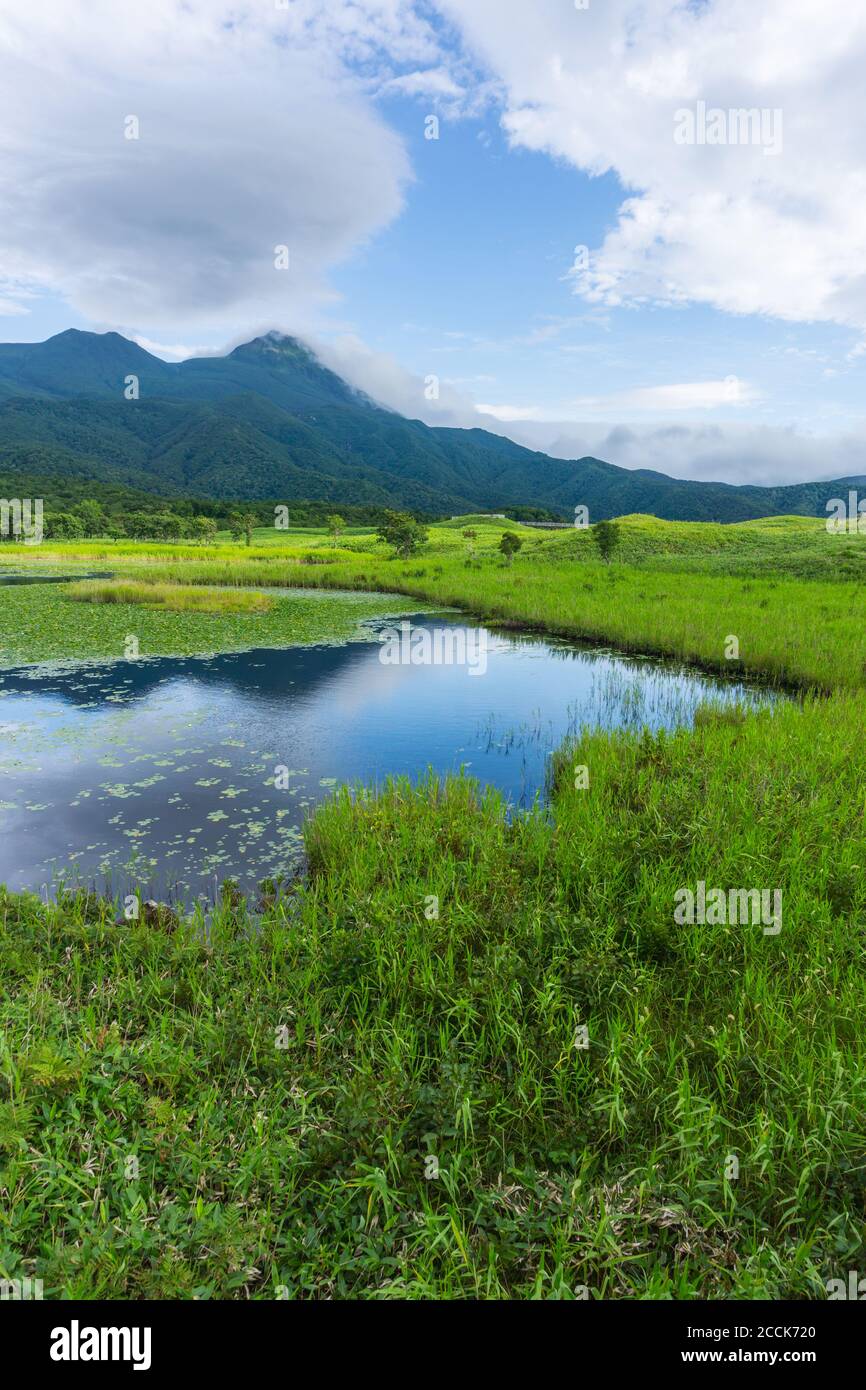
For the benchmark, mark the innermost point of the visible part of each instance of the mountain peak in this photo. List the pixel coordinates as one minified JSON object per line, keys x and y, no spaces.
{"x":271,"y":420}
{"x":273,"y":344}
{"x":79,"y":363}
{"x":288,"y":359}
{"x":81,"y":336}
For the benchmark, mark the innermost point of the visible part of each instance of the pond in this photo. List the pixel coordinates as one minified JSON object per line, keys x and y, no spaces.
{"x":170,"y":774}
{"x":8,"y":577}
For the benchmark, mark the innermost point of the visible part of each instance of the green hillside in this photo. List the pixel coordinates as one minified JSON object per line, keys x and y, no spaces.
{"x":269,"y":420}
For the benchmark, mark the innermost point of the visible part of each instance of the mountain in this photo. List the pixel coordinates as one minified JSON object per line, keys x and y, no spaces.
{"x":269,"y":420}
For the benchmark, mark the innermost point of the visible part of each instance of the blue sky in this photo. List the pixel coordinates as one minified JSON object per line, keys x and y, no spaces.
{"x":717,"y":329}
{"x":472,"y":282}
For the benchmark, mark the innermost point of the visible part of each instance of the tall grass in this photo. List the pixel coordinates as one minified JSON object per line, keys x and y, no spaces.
{"x":675,"y":588}
{"x":176,"y":597}
{"x":380,"y":1085}
{"x":810,"y":634}
{"x":380,"y":1088}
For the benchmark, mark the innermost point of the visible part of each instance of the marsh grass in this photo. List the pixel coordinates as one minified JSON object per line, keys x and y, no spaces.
{"x":682,"y":593}
{"x":453,"y":1034}
{"x":409,"y":1035}
{"x":177,"y":598}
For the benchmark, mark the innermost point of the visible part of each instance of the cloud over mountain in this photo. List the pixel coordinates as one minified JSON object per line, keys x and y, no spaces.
{"x":247,"y":134}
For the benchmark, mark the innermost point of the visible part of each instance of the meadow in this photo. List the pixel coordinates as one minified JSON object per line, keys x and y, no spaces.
{"x":470,"y":1053}
{"x":783,"y":587}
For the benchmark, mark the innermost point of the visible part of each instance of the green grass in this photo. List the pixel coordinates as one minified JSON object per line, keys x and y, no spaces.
{"x":411,"y":1036}
{"x":690,"y":615}
{"x":264,"y":538}
{"x":177,"y":598}
{"x":674,"y":588}
{"x":795,"y":546}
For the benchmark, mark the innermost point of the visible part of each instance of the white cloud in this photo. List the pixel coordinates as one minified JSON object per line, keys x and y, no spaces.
{"x":436,"y":82}
{"x":251,"y":136}
{"x":257,"y":129}
{"x":687,"y":395}
{"x":715,"y":452}
{"x":723,"y":225}
{"x":509,"y":414}
{"x":254,"y":133}
{"x":761,"y":455}
{"x":175,"y":352}
{"x":380,"y":375}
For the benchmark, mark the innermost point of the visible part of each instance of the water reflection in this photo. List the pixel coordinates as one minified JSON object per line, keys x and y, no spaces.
{"x":164,"y":772}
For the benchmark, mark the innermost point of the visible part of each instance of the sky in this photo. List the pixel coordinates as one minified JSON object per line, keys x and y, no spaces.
{"x":546,"y":219}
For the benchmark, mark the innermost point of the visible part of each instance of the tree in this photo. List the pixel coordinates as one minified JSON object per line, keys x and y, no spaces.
{"x":138,"y":526}
{"x":249,"y":521}
{"x":165,"y":527}
{"x":401,"y":530}
{"x":336,"y":526}
{"x":65,"y":526}
{"x":510,"y":544}
{"x":153,"y":526}
{"x":203,"y":528}
{"x":606,"y":537}
{"x":92,"y":517}
{"x":236,"y":526}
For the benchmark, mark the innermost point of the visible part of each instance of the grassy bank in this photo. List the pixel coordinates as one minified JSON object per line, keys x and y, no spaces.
{"x":381,"y":1087}
{"x":678,"y":589}
{"x":686,"y":615}
{"x":283,"y":1087}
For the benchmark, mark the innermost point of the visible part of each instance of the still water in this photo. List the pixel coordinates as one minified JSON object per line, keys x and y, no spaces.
{"x":170,"y":774}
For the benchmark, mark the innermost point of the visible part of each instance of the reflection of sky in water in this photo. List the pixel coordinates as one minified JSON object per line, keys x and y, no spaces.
{"x":169,"y":764}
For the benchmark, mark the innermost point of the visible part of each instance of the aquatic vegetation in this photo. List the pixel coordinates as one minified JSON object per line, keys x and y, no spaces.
{"x":38,"y":623}
{"x":168,"y":729}
{"x":177,"y":598}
